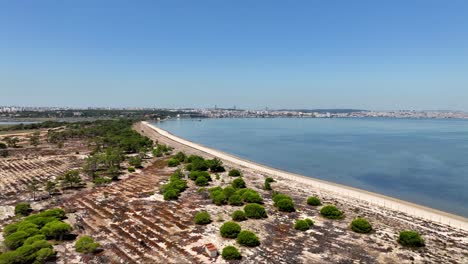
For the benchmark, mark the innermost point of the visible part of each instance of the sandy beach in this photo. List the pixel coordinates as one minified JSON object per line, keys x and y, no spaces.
{"x":374,"y":199}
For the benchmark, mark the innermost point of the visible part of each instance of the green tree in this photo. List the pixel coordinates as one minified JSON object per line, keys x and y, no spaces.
{"x":230,"y":253}
{"x":202,"y":218}
{"x":23,"y":209}
{"x":173,"y":162}
{"x":303,"y":225}
{"x":135,"y":162}
{"x":235,"y":173}
{"x":230,"y":229}
{"x":56,"y":229}
{"x":12,"y":141}
{"x":255,"y":211}
{"x":71,"y":178}
{"x":34,"y":139}
{"x":51,"y":187}
{"x":361,"y":225}
{"x":247,"y":238}
{"x":238,"y":183}
{"x":86,"y":244}
{"x":239,"y":216}
{"x":331,"y":212}
{"x":410,"y":238}
{"x":314,"y":201}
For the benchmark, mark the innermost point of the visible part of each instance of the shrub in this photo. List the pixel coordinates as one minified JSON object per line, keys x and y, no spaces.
{"x":278,"y":197}
{"x":101,"y":180}
{"x":331,"y":212}
{"x":86,"y":244}
{"x":201,"y":181}
{"x":215,"y":165}
{"x":314,"y":201}
{"x":180,"y":156}
{"x":309,"y":221}
{"x":234,"y":173}
{"x":269,"y":180}
{"x":202,"y":218}
{"x":411,"y":238}
{"x":131,"y":169}
{"x":301,"y":225}
{"x":247,"y":238}
{"x":171,"y":194}
{"x":173,"y":162}
{"x":23,"y":209}
{"x":251,"y":196}
{"x":56,"y":229}
{"x":230,"y":253}
{"x":43,"y":254}
{"x":238,"y":183}
{"x":229,"y":191}
{"x":16,"y":239}
{"x":219,"y":198}
{"x":230,"y":230}
{"x":10,"y":229}
{"x":285,"y":205}
{"x":239,"y":216}
{"x":195,"y":174}
{"x":135,"y":161}
{"x":32,"y":239}
{"x":255,"y":211}
{"x":199,"y":165}
{"x":361,"y":225}
{"x":235,"y":200}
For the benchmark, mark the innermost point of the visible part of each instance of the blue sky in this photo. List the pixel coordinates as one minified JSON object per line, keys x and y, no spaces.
{"x":410,"y":54}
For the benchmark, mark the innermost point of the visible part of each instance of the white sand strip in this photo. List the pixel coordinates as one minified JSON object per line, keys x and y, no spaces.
{"x":416,"y":210}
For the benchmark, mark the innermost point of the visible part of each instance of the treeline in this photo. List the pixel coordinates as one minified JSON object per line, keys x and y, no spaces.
{"x":46,"y":124}
{"x":100,"y":113}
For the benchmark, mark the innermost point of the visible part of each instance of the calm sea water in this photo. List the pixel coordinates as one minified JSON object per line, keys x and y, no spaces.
{"x":422,"y":161}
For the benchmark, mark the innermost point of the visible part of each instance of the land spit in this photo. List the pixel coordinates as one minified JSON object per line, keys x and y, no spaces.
{"x":330,"y":241}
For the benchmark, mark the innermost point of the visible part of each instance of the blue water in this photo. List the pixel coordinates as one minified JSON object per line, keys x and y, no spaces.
{"x":422,"y":161}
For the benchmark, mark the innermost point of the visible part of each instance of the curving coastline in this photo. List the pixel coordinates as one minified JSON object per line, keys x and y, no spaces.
{"x":376,"y":199}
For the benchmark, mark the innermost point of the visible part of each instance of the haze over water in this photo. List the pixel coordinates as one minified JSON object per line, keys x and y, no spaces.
{"x":422,"y":161}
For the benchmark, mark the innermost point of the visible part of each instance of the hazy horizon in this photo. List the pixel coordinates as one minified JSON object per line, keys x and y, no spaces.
{"x":300,"y":55}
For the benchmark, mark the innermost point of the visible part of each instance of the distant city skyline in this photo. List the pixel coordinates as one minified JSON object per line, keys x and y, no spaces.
{"x":371,"y":55}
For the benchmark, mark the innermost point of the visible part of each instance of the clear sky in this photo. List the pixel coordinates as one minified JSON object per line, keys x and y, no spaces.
{"x":408,"y":54}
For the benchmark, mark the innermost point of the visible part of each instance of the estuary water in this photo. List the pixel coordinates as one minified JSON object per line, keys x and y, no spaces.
{"x":424,"y":161}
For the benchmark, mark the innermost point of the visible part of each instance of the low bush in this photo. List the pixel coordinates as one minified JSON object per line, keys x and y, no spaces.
{"x":173,"y":162}
{"x":235,"y":200}
{"x":86,"y":244}
{"x":201,"y":181}
{"x":411,"y":238}
{"x":131,"y":169}
{"x":255,"y":211}
{"x":234,"y":173}
{"x":102,"y":180}
{"x":171,"y":194}
{"x":135,"y":162}
{"x":230,"y":229}
{"x":303,"y":225}
{"x":239,"y":216}
{"x":229,"y":191}
{"x":23,"y":209}
{"x":202,"y":218}
{"x":251,"y":196}
{"x":283,"y":202}
{"x":247,"y":238}
{"x":180,"y":156}
{"x":361,"y":225}
{"x":215,"y":165}
{"x":238,"y":183}
{"x":285,"y":205}
{"x":230,"y":253}
{"x":314,"y":201}
{"x":331,"y":212}
{"x":195,"y":174}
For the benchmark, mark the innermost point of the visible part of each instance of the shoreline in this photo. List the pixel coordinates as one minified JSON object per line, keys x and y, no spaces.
{"x":375,"y":199}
